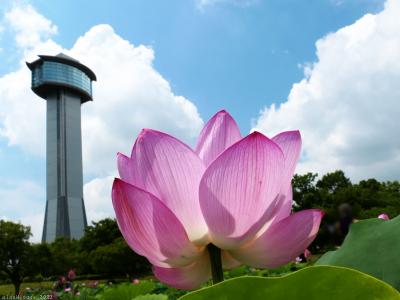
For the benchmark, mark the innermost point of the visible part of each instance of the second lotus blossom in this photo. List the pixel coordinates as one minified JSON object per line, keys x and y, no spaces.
{"x":232,"y":192}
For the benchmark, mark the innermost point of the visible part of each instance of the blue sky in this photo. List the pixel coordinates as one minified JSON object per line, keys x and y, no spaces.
{"x":223,"y":55}
{"x":200,"y":56}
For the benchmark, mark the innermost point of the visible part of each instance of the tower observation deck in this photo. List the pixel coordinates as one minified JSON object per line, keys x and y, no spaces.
{"x":65,"y":84}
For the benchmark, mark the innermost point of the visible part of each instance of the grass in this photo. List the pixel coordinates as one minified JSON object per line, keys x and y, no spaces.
{"x":8,"y":289}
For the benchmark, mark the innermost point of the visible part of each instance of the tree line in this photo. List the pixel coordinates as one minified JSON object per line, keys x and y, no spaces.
{"x":333,"y":193}
{"x":100,"y":253}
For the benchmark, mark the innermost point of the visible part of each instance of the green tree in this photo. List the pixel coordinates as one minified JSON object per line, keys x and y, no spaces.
{"x":65,"y":255}
{"x":118,"y":259}
{"x":304,"y":191}
{"x":15,"y":250}
{"x":392,"y":187}
{"x":107,"y":253}
{"x":99,"y":233}
{"x":42,"y":260}
{"x":332,"y":182}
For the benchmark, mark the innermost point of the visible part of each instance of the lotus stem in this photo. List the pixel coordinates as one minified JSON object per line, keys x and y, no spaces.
{"x":216,"y":263}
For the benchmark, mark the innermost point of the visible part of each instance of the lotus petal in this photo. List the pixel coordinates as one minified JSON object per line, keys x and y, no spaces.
{"x":228,"y":262}
{"x":384,"y":217}
{"x":290,"y":144}
{"x":188,"y":277}
{"x":239,"y":189}
{"x":125,"y":168}
{"x":220,"y":132}
{"x":150,"y":228}
{"x":282,"y":242}
{"x":171,"y":171}
{"x":284,"y":207}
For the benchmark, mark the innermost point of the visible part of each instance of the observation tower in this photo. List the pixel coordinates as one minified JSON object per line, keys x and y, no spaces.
{"x":65,"y":84}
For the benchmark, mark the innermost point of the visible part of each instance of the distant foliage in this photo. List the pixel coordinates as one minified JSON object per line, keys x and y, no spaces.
{"x":367,"y":199}
{"x":101,"y":253}
{"x":16,"y":259}
{"x":117,"y":259}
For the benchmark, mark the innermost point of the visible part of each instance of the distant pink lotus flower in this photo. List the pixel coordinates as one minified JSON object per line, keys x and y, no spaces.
{"x":71,"y":274}
{"x":307,"y":253}
{"x":173,"y":203}
{"x":135,"y":281}
{"x":67,"y":290}
{"x":384,"y":217}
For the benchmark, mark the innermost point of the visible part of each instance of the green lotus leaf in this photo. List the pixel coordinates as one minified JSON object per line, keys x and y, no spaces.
{"x":313,"y":283}
{"x":128,"y":291}
{"x":373,"y":247}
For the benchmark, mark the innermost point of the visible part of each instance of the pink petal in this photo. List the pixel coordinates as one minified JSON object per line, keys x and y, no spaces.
{"x":228,"y":262}
{"x":384,"y":217}
{"x":188,"y":277}
{"x":239,"y":189}
{"x":284,"y":207}
{"x":307,"y":253}
{"x":220,"y":132}
{"x":282,"y":242}
{"x":280,"y":210}
{"x":125,"y":168}
{"x":150,"y":228}
{"x":290,"y":143}
{"x":171,"y":171}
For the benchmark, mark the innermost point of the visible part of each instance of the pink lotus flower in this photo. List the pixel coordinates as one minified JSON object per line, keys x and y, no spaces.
{"x":384,"y":217}
{"x":304,"y":257}
{"x":172,"y":202}
{"x":307,"y":253}
{"x":135,"y":281}
{"x":71,"y":274}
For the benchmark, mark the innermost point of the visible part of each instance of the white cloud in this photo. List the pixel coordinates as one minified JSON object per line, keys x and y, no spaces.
{"x":30,"y":27}
{"x":35,"y":221}
{"x":347,"y":106}
{"x":23,"y":202}
{"x":129,"y":95}
{"x":22,"y":117}
{"x":97,"y":198}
